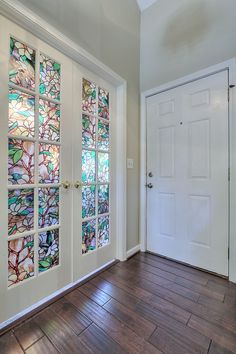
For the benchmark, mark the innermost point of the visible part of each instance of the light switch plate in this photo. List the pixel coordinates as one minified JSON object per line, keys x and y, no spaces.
{"x":130,"y":163}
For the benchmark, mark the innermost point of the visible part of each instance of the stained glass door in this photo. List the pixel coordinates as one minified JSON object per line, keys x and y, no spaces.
{"x":94,"y":239}
{"x":35,"y":138}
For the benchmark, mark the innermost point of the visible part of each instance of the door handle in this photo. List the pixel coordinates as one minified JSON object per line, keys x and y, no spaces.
{"x":66,"y":184}
{"x":77,"y":184}
{"x":149,"y":185}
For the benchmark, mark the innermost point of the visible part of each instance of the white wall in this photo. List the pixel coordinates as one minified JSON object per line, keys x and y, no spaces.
{"x":108,"y":29}
{"x":179,"y":37}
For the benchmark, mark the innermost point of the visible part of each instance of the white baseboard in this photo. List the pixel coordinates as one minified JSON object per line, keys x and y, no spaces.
{"x":132,"y":251}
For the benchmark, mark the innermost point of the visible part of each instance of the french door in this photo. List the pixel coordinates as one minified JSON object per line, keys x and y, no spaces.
{"x":56,"y":175}
{"x":187,"y":173}
{"x":93,"y":172}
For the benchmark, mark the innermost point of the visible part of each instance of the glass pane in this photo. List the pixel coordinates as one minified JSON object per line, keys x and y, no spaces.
{"x":103,"y":167}
{"x":88,"y":236}
{"x":20,"y":162}
{"x":22,"y":65}
{"x":103,"y":231}
{"x":48,"y":207}
{"x":88,"y":166}
{"x":49,"y":163}
{"x":20,"y":259}
{"x":89,"y":131}
{"x":20,"y":211}
{"x":50,"y":72}
{"x":103,"y":135}
{"x":88,"y":201}
{"x":48,"y":251}
{"x":49,"y":121}
{"x":21,"y":113}
{"x":89,"y":97}
{"x":103,"y":103}
{"x":103,"y":199}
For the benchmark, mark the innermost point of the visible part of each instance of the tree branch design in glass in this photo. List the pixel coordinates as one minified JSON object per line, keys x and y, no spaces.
{"x":88,"y":131}
{"x":20,"y":211}
{"x":103,"y":167}
{"x":49,"y":121}
{"x":103,"y":199}
{"x":103,"y":231}
{"x":103,"y":135}
{"x":89,"y":97}
{"x":88,"y":201}
{"x":20,"y":259}
{"x":21,"y":113}
{"x":48,"y":252}
{"x":88,"y":236}
{"x":22,"y":65}
{"x":88,"y":166}
{"x":103,"y":103}
{"x":48,"y":207}
{"x":20,"y":162}
{"x":50,"y":72}
{"x":49,"y":163}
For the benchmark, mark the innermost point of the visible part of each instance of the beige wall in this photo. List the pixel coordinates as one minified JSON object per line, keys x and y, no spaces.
{"x":179,"y":37}
{"x":108,"y":29}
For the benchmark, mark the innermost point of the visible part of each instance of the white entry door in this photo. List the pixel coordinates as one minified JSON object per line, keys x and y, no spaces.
{"x":187,"y":170}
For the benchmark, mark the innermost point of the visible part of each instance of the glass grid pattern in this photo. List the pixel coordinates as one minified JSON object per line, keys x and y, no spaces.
{"x":36,"y":250}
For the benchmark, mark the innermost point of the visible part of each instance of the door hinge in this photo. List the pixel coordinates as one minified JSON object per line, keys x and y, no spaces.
{"x":230,"y":87}
{"x":228,"y":173}
{"x":228,"y":252}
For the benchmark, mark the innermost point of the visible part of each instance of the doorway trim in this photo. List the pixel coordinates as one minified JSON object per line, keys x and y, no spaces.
{"x":229,"y":65}
{"x":16,"y":12}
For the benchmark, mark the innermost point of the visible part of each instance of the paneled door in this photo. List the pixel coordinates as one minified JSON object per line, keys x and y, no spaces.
{"x":93,"y":173}
{"x":35,"y":199}
{"x":187,"y":173}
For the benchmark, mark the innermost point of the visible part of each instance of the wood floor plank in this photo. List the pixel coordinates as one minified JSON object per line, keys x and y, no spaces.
{"x":71,"y":315}
{"x":9,"y":344}
{"x":95,"y":294}
{"x":28,"y":333}
{"x":138,"y":324}
{"x":43,"y":346}
{"x":124,"y":336}
{"x":60,"y":334}
{"x":99,"y":342}
{"x":155,"y":301}
{"x":217,"y":349}
{"x":172,"y":344}
{"x":218,"y":334}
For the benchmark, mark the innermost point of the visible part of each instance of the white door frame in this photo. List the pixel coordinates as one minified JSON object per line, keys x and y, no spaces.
{"x":229,"y":65}
{"x":25,"y":18}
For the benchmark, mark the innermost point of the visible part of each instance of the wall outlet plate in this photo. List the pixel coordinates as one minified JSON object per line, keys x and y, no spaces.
{"x":130,"y":163}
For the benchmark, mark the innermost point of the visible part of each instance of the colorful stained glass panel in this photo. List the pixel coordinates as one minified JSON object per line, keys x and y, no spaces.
{"x":48,"y":252}
{"x":22,"y":65}
{"x":103,"y":135}
{"x":21,"y":113}
{"x":20,"y":211}
{"x":20,"y":162}
{"x":49,"y":121}
{"x":103,"y":167}
{"x":88,"y":166}
{"x":88,"y":131}
{"x":88,"y":236}
{"x":89,"y":96}
{"x":103,"y":199}
{"x":103,"y":103}
{"x":88,"y":201}
{"x":103,"y":231}
{"x":49,"y":163}
{"x":20,"y":259}
{"x":50,"y":72}
{"x":48,"y":206}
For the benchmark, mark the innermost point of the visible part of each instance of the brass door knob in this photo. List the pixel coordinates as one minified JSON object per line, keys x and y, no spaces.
{"x":66,"y":184}
{"x":78,"y":184}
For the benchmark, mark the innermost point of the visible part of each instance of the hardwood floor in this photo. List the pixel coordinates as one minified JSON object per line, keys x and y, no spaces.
{"x":145,"y":305}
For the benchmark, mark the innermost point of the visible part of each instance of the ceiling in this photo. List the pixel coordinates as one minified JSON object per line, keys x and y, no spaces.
{"x":144,"y":4}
